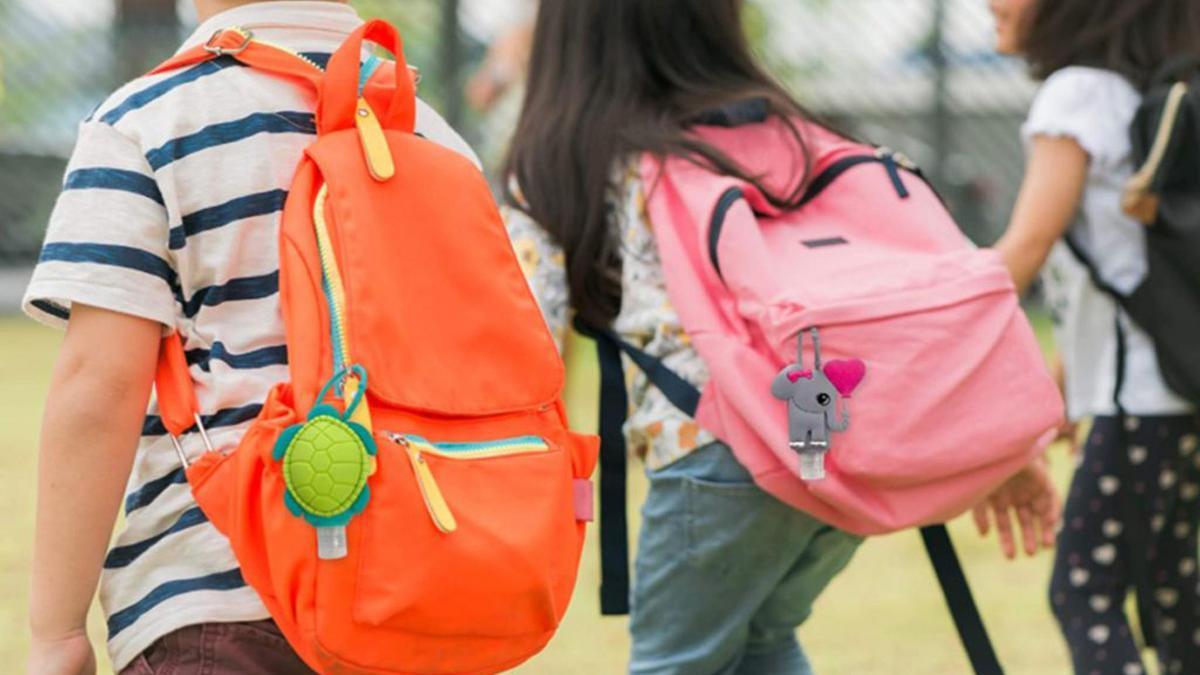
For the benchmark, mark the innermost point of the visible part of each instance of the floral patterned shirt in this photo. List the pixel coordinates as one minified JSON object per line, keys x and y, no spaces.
{"x":656,"y":430}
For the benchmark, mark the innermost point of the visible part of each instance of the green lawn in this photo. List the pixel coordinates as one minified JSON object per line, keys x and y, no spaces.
{"x":884,"y":615}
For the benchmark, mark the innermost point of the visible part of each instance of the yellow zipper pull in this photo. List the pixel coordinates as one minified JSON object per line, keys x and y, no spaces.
{"x":435,"y":503}
{"x":374,"y":142}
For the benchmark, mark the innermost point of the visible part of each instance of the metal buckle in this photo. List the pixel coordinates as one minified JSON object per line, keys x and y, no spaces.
{"x":203,"y":435}
{"x":212,"y":47}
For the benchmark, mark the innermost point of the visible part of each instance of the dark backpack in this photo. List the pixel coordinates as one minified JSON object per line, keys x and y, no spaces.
{"x":1164,"y":195}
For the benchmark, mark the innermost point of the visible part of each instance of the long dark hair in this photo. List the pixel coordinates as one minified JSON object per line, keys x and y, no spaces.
{"x":1132,"y":37}
{"x":609,"y":78}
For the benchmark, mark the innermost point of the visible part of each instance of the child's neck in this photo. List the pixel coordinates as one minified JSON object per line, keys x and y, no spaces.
{"x":206,"y":9}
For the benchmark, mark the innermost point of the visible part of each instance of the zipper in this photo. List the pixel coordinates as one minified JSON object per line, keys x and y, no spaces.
{"x":293,"y":52}
{"x":892,"y":165}
{"x":332,"y":278}
{"x":892,"y":161}
{"x":435,"y":502}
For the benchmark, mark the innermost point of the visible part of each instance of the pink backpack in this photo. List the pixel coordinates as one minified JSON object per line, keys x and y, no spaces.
{"x":911,"y":382}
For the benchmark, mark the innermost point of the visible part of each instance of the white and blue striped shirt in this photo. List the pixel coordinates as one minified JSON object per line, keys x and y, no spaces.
{"x":170,"y":211}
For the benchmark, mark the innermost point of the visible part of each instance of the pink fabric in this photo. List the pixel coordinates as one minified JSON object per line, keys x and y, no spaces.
{"x":952,"y":393}
{"x":584,"y":503}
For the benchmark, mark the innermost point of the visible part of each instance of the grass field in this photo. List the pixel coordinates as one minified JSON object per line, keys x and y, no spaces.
{"x":883,"y":616}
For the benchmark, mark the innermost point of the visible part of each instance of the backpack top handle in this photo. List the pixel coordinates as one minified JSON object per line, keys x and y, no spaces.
{"x":339,"y":102}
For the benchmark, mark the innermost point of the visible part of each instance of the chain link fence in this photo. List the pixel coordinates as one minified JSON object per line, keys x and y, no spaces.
{"x":919,"y":76}
{"x":915,"y":75}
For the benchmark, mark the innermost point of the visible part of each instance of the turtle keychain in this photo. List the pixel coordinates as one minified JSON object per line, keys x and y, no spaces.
{"x":326,"y":462}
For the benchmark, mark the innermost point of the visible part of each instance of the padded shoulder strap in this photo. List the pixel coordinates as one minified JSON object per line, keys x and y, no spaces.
{"x":173,"y":383}
{"x":241,"y":45}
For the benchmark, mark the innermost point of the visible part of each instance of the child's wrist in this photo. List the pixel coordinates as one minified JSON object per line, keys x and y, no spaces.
{"x":48,"y":631}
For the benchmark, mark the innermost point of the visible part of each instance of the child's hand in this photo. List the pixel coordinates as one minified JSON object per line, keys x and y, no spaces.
{"x":70,"y":654}
{"x":1032,"y":495}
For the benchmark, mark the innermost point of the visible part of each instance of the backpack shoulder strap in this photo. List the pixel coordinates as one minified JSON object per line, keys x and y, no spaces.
{"x":240,"y":44}
{"x":339,"y":104}
{"x":1139,"y":200}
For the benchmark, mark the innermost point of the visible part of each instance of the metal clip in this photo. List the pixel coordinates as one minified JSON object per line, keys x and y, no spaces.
{"x":203,"y":435}
{"x":212,"y":47}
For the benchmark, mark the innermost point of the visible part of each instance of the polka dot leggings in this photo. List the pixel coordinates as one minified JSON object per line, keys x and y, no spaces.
{"x":1092,"y":575}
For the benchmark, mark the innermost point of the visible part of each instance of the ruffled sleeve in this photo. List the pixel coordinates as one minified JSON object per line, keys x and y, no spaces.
{"x":1092,"y":106}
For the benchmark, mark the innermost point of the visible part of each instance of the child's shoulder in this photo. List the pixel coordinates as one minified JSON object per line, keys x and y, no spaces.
{"x":1077,"y":89}
{"x":122,"y":106}
{"x":154,"y":108}
{"x":1093,"y":106}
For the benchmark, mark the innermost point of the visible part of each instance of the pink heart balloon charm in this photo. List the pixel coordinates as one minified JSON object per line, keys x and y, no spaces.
{"x":845,"y":374}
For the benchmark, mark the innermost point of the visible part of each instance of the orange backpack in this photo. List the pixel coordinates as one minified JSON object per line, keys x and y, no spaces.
{"x":412,"y":500}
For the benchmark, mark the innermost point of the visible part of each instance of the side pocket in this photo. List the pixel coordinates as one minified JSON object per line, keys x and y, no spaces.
{"x":585,"y":450}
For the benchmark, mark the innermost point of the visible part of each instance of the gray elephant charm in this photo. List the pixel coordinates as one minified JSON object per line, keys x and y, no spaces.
{"x":816,"y":407}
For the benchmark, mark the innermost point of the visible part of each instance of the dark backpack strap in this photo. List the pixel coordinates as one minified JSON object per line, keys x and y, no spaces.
{"x":1093,"y":271}
{"x":614,"y":525}
{"x":614,"y":409}
{"x":959,"y":599}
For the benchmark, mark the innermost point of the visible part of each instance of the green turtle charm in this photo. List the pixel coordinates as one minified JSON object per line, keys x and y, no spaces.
{"x":326,"y":462}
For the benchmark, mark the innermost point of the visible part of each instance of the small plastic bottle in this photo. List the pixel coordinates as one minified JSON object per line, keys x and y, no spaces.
{"x":331,"y":542}
{"x":812,"y":465}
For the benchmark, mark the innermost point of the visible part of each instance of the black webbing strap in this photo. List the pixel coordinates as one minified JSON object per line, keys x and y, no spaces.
{"x":614,"y":409}
{"x":1133,"y":536}
{"x":960,"y":601}
{"x":614,"y":525}
{"x":614,"y":543}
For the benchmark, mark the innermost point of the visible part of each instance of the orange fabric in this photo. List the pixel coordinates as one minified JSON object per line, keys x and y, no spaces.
{"x":340,"y":96}
{"x":255,"y":54}
{"x":173,"y":382}
{"x":455,"y":350}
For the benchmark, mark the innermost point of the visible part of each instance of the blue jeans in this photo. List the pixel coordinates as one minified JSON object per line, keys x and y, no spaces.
{"x":725,"y":572}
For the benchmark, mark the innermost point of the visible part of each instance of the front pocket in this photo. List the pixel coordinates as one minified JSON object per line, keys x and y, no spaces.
{"x":418,"y":449}
{"x":948,"y":391}
{"x":463,"y":539}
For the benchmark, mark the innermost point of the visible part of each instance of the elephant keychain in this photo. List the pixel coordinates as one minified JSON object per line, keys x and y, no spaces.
{"x":813,"y":398}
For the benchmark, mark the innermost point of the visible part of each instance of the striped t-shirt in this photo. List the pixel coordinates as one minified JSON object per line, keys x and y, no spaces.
{"x":170,"y":211}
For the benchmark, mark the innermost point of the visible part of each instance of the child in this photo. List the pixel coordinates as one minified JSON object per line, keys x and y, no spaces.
{"x":168,"y":220}
{"x":1140,"y":477}
{"x":724,"y":572}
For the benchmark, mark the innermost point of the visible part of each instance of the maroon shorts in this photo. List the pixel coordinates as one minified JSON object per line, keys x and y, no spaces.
{"x":251,"y":648}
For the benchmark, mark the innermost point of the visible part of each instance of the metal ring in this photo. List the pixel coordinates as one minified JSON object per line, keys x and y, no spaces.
{"x":208,"y":446}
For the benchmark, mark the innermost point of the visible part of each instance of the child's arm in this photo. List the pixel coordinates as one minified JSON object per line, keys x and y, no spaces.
{"x":1049,"y":200}
{"x":90,"y":432}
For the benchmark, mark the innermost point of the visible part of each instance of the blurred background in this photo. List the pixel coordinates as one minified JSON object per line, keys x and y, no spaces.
{"x":916,"y":75}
